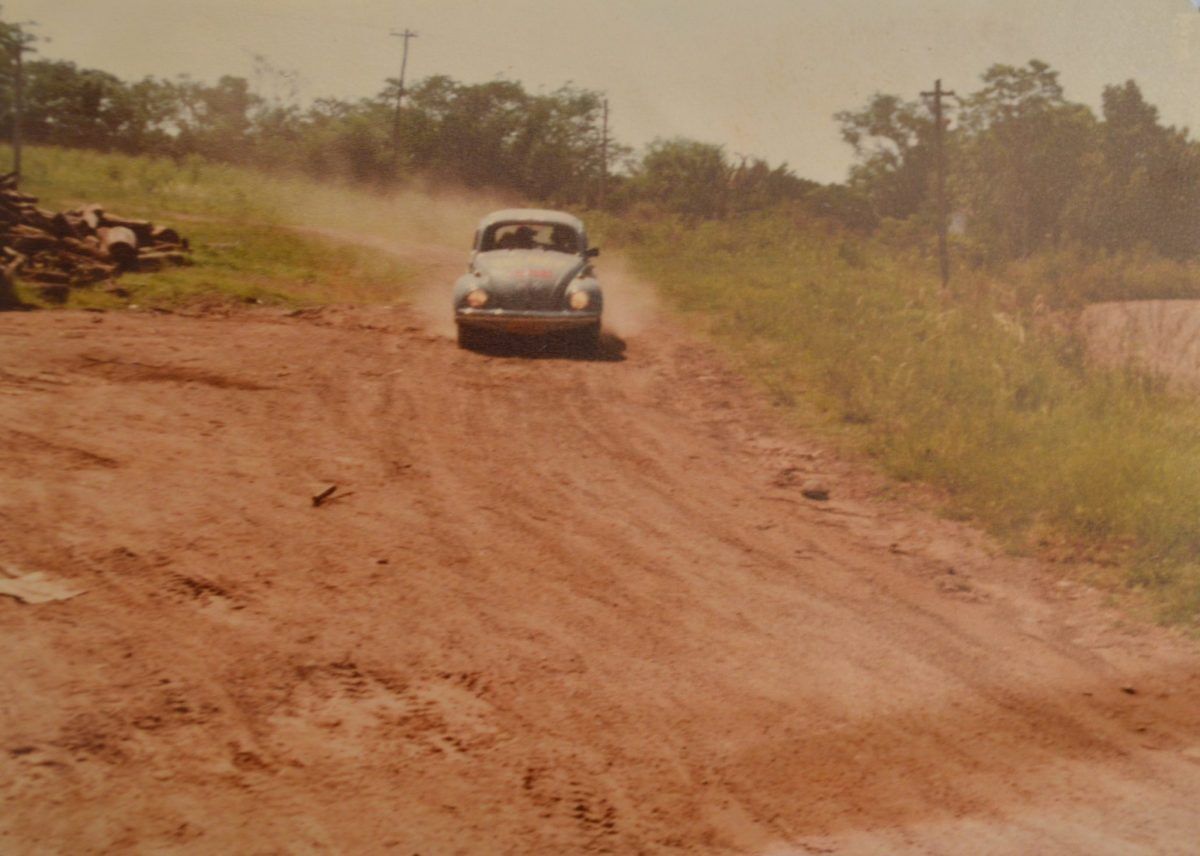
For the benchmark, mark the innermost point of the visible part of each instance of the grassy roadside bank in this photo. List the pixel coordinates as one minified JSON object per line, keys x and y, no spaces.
{"x":237,"y":221}
{"x":1009,"y":422}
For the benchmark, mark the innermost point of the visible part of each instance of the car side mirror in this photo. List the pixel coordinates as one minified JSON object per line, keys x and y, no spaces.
{"x":592,"y":252}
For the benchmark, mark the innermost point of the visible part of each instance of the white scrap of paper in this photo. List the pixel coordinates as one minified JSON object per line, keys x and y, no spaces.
{"x":36,"y":587}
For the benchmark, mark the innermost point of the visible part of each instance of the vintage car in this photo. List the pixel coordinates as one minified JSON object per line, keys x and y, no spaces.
{"x":530,"y":274}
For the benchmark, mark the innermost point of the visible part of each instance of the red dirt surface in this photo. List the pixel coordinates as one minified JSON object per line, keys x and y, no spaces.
{"x":554,"y":606}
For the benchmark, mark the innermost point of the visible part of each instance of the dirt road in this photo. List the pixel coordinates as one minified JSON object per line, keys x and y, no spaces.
{"x":554,"y":606}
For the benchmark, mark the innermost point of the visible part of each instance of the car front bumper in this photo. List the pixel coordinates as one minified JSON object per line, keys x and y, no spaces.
{"x":525,"y":321}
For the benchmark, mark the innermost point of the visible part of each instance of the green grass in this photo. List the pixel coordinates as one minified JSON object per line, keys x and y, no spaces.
{"x":146,"y":185}
{"x":238,"y":224}
{"x":1020,"y":434}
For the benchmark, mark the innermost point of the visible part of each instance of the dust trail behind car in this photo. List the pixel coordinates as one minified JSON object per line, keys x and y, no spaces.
{"x":631,"y":304}
{"x":432,"y":228}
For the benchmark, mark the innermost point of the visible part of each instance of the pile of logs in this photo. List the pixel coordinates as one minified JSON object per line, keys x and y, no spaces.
{"x":78,"y":247}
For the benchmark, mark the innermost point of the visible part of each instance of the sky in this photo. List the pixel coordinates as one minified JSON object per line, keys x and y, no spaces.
{"x":760,"y":77}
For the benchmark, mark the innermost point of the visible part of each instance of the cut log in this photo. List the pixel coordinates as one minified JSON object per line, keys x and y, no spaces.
{"x":31,"y":215}
{"x":25,"y":230}
{"x":91,"y":273}
{"x":67,"y":225}
{"x":143,"y":229}
{"x":75,"y":260}
{"x":36,"y":243}
{"x":164,"y":235}
{"x":89,"y":247}
{"x":150,"y":262}
{"x":91,"y":215}
{"x":119,"y":244}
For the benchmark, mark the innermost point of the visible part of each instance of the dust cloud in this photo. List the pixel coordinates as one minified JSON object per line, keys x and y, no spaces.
{"x":630,"y":302}
{"x":426,"y":227}
{"x":430,"y":228}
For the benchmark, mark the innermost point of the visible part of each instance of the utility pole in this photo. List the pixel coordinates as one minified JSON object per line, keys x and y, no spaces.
{"x":406,"y":35}
{"x":17,"y":41}
{"x":18,"y":108}
{"x":939,"y":148}
{"x":604,"y":157}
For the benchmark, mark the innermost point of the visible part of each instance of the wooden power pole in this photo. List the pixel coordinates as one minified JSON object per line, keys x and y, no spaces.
{"x":939,"y":150}
{"x":18,"y":107}
{"x":604,"y":157}
{"x":18,"y":42}
{"x":406,"y":35}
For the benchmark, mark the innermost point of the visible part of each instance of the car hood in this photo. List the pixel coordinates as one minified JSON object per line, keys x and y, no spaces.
{"x":529,"y":269}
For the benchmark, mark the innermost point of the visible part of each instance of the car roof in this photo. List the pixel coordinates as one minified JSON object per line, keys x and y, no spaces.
{"x":534,"y":215}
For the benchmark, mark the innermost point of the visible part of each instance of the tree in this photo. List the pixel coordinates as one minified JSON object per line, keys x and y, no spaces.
{"x":555,"y":153}
{"x":69,"y":106}
{"x":893,"y":141}
{"x":1142,"y":182}
{"x":214,"y":121}
{"x":1022,"y":155}
{"x":685,"y":176}
{"x":755,"y":185}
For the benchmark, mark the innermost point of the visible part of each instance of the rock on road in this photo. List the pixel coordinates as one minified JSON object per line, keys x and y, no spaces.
{"x":554,"y":606}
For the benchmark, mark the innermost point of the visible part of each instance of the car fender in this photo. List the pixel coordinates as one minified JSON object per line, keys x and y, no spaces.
{"x":589,"y":284}
{"x":464,"y":285}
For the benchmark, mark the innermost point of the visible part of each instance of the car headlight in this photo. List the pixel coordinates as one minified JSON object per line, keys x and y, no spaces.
{"x":477,"y":298}
{"x":579,"y":300}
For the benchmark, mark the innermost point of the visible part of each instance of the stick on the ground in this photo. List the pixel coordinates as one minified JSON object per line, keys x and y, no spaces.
{"x":323,"y":495}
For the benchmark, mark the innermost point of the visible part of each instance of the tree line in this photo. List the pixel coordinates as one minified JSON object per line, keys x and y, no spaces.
{"x":1030,"y":170}
{"x":544,"y":146}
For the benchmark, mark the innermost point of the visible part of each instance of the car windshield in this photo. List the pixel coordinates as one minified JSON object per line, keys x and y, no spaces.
{"x":555,"y":237}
